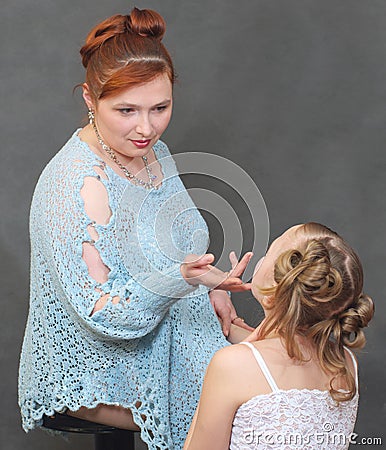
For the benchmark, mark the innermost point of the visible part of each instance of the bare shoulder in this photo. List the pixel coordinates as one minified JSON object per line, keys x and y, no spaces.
{"x":236,"y":365}
{"x":242,"y":370}
{"x":232,"y":357}
{"x":236,"y":361}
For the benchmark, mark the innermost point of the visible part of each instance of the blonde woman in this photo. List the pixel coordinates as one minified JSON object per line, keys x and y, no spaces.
{"x":293,"y":383}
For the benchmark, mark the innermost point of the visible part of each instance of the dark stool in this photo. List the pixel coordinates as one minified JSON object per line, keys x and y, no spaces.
{"x":106,"y":437}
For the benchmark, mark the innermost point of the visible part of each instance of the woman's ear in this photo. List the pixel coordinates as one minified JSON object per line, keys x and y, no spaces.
{"x":87,"y":96}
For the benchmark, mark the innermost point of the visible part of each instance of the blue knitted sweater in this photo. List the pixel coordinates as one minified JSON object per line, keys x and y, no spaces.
{"x":149,"y":351}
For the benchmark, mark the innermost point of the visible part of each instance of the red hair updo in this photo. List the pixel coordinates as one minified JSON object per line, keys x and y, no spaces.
{"x":124,"y":51}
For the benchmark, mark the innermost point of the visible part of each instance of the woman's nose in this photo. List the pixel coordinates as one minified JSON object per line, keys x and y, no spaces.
{"x":144,"y":127}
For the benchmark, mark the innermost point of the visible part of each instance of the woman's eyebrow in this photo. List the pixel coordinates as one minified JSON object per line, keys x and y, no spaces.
{"x":133,"y":105}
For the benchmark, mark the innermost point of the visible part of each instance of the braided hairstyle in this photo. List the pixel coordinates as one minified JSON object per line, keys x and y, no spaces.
{"x":124,"y":51}
{"x":318,"y":294}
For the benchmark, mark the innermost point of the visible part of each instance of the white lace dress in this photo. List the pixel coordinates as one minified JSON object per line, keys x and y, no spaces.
{"x":293,"y":419}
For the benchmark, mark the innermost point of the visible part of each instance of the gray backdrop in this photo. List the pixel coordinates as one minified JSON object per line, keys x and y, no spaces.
{"x":292,"y":91}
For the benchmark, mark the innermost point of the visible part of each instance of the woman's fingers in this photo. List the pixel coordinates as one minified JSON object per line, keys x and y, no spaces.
{"x":198,"y":261}
{"x":198,"y":270}
{"x":234,"y":285}
{"x":247,"y":327}
{"x":240,"y":323}
{"x":241,"y":265}
{"x":195,"y":266}
{"x":233,"y":259}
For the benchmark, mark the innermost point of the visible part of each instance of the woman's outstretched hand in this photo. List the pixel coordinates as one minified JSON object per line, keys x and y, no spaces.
{"x":199,"y":270}
{"x":225,"y":311}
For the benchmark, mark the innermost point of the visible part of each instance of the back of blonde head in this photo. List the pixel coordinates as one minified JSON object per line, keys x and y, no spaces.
{"x":318,"y":294}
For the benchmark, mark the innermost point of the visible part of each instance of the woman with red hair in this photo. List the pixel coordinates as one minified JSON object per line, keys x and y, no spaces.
{"x":120,"y":327}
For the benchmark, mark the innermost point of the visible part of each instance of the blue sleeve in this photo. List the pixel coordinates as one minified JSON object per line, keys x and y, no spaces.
{"x":58,"y":230}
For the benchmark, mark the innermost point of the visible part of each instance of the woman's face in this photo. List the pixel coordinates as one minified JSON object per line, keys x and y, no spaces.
{"x":132,"y":121}
{"x":264,"y":271}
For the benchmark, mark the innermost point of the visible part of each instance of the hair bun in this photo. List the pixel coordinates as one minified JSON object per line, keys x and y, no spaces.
{"x":100,"y":34}
{"x":311,"y":270}
{"x":353,"y":319}
{"x":321,"y":281}
{"x":146,"y":23}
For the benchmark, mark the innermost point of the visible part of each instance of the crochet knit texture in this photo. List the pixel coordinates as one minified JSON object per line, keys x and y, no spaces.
{"x":149,"y":349}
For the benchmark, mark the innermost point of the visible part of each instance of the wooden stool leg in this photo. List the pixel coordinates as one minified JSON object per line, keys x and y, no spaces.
{"x":116,"y":440}
{"x":103,"y":441}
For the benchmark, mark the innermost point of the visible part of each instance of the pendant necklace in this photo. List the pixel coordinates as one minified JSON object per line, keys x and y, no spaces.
{"x":146,"y":184}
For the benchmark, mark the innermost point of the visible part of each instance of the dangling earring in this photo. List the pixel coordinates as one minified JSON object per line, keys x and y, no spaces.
{"x":91,"y":116}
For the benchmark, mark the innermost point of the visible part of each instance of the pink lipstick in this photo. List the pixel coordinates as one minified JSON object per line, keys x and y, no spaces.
{"x":141,"y":144}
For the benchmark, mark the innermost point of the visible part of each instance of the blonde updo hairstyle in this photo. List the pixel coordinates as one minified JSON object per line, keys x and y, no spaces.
{"x":318,"y":294}
{"x":124,"y":51}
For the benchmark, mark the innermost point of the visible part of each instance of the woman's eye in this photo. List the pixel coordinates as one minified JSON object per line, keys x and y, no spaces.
{"x":126,"y":110}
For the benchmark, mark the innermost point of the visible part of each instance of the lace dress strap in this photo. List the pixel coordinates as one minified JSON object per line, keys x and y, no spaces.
{"x":355,"y":364}
{"x":263,"y":366}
